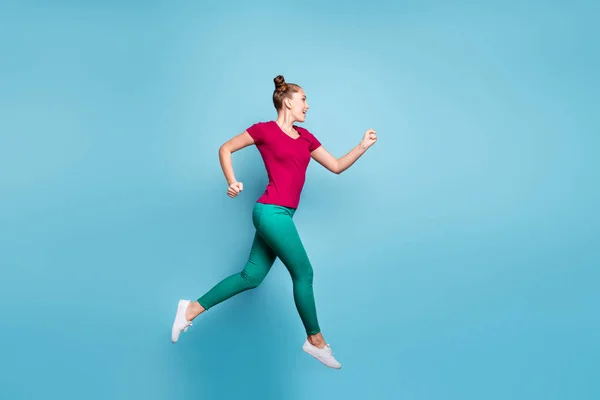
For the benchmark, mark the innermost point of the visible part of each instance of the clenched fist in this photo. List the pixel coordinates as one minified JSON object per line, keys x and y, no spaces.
{"x":369,"y":139}
{"x":234,"y":189}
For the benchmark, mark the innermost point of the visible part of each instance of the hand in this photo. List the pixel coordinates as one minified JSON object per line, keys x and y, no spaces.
{"x":369,"y":139}
{"x":234,"y":189}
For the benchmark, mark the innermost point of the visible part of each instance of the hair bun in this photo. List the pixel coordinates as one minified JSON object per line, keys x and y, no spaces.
{"x":280,"y":82}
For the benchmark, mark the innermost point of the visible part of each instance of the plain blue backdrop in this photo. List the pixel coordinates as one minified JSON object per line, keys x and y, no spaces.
{"x":458,"y":259}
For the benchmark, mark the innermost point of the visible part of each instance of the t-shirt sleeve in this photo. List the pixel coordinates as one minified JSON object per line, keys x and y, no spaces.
{"x":314,"y":143}
{"x":256,"y":131}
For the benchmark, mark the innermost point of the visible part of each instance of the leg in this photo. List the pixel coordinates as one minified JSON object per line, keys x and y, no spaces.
{"x":278,"y":230}
{"x":259,"y":263}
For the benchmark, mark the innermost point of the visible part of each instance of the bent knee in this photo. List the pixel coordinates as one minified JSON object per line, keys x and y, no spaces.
{"x":251,"y":281}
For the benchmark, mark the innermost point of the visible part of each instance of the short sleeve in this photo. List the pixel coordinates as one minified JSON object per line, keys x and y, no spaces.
{"x":256,"y":131}
{"x":314,"y":143}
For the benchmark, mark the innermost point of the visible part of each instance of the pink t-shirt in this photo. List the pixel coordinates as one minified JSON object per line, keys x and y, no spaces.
{"x":286,"y":160}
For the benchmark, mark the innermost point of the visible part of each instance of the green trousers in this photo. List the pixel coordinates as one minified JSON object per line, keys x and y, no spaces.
{"x":276,"y":236}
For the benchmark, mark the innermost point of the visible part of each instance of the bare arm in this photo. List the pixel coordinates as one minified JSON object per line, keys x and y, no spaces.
{"x":339,"y":165}
{"x":231,"y":146}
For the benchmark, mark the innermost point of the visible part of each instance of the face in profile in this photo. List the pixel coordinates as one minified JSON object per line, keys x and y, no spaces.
{"x":299,"y":105}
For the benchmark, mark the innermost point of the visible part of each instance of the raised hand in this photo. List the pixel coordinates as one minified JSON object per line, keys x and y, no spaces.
{"x":369,"y":138}
{"x":234,"y":189}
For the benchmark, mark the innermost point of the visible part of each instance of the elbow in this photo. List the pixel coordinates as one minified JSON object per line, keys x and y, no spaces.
{"x":337,"y":169}
{"x":224,"y":149}
{"x":223,"y":153}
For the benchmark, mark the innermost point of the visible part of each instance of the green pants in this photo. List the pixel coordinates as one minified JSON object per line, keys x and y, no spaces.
{"x":276,"y":236}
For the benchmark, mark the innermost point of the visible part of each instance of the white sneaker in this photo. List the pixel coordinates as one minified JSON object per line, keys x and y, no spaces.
{"x":180,"y":323}
{"x":324,"y":355}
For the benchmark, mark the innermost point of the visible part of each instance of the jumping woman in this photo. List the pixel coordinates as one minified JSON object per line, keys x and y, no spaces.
{"x":286,"y":150}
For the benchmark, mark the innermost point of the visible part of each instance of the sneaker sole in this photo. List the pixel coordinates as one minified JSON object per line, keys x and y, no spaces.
{"x":174,"y":328}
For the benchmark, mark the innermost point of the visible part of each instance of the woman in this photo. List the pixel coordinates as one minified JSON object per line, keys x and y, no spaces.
{"x":286,"y":150}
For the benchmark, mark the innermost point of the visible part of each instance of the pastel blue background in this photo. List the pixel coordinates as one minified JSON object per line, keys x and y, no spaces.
{"x":458,"y":259}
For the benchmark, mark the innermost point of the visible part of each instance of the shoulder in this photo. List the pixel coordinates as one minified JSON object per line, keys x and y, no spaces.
{"x":303,"y":131}
{"x":258,"y":130}
{"x":262,"y":125}
{"x":307,"y":135}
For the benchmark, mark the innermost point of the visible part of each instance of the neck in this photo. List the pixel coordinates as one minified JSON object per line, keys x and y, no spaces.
{"x":285,"y":121}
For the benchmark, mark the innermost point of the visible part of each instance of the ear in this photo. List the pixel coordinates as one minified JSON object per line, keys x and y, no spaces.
{"x":288,"y":102}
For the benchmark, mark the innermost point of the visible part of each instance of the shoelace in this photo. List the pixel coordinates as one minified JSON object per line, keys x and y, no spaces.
{"x":187,"y":325}
{"x":328,"y":347}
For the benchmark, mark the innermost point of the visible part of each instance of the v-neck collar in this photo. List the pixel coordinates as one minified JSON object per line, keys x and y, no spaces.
{"x":282,"y":131}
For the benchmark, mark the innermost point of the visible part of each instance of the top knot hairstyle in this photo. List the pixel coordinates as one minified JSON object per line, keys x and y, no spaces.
{"x":283,"y":90}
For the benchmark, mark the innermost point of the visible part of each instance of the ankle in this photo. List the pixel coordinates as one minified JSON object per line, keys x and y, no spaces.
{"x":193,"y":310}
{"x":317,"y":341}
